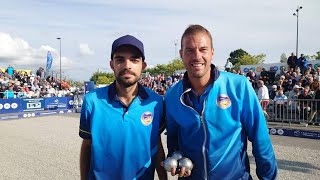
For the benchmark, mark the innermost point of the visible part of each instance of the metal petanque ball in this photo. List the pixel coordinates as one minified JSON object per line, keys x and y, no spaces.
{"x":186,"y":162}
{"x":170,"y":163}
{"x":177,"y":155}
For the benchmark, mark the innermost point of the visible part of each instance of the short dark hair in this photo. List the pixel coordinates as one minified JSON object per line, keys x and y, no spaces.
{"x":194,"y":29}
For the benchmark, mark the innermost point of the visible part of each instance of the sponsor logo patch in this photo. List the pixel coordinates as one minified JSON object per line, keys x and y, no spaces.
{"x":146,"y":118}
{"x":223,"y":101}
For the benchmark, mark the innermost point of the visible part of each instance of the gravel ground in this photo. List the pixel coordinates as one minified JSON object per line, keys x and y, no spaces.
{"x":48,"y":148}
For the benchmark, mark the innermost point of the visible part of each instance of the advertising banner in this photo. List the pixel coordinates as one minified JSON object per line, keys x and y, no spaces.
{"x":295,"y":133}
{"x":10,"y":106}
{"x":54,"y":103}
{"x":36,"y":104}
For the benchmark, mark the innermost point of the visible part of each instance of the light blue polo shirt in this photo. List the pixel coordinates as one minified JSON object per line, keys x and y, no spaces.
{"x":124,"y":139}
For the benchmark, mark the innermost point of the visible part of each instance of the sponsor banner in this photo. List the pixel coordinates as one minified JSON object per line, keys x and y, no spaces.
{"x":70,"y":101}
{"x":54,"y":103}
{"x":10,"y":106}
{"x":275,"y":67}
{"x":36,"y":104}
{"x":295,"y":133}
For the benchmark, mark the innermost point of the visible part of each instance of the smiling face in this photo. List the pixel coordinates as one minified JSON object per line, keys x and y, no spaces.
{"x":196,"y":53}
{"x":127,"y":65}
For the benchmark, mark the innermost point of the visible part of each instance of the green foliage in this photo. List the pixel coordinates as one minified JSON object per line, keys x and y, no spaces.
{"x":102,"y":78}
{"x":167,"y":69}
{"x":249,"y":59}
{"x":313,"y":57}
{"x":317,"y":56}
{"x":236,"y":55}
{"x":283,"y":58}
{"x":76,"y":83}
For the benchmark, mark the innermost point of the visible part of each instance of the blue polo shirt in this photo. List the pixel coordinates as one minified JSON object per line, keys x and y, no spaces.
{"x":124,"y":139}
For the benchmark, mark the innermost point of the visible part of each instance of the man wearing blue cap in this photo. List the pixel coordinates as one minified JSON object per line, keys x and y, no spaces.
{"x":121,"y":124}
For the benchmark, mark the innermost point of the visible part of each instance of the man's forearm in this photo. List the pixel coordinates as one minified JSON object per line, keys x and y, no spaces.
{"x":85,"y":155}
{"x":162,"y":174}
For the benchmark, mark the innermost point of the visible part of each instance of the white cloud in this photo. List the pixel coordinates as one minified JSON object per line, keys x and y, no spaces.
{"x":17,"y":52}
{"x":85,"y":50}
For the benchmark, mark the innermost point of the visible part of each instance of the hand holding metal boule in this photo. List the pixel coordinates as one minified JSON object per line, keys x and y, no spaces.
{"x":170,"y":163}
{"x":177,"y":155}
{"x":186,"y":162}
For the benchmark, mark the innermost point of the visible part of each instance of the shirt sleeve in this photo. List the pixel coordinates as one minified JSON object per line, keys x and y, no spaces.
{"x":84,"y":129}
{"x":255,"y":126}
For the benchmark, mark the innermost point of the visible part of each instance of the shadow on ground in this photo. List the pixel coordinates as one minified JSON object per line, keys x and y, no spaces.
{"x":295,"y":166}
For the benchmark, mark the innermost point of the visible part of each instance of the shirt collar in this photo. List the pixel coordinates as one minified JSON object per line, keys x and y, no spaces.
{"x":112,"y":92}
{"x":187,"y":84}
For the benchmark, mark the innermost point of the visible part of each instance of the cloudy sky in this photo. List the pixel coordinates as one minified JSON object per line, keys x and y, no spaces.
{"x":29,"y":28}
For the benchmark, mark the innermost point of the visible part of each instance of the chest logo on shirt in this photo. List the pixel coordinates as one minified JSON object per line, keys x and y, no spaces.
{"x":146,"y":118}
{"x":223,"y":101}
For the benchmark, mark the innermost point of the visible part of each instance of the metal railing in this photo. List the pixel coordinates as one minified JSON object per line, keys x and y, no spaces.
{"x":301,"y":111}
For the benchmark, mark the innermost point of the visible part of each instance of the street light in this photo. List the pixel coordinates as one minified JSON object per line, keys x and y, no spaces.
{"x":60,"y":58}
{"x":297,"y":14}
{"x":175,"y":48}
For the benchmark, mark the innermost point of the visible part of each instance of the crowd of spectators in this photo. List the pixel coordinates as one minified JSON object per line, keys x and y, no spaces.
{"x":160,"y":83}
{"x":19,"y":84}
{"x":298,"y":87}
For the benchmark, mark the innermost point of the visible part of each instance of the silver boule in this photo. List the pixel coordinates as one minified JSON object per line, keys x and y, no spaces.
{"x":186,"y":162}
{"x":177,"y":155}
{"x":170,"y":163}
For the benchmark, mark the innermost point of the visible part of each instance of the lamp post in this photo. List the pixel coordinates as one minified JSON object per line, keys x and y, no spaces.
{"x":60,"y":58}
{"x":175,"y":48}
{"x":297,"y":15}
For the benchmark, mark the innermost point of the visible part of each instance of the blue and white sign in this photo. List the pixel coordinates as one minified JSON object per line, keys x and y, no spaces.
{"x":295,"y":133}
{"x":53,"y":103}
{"x":36,"y":104}
{"x":10,"y":106}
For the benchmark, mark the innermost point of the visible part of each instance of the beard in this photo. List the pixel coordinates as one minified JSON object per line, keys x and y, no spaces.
{"x":126,"y":82}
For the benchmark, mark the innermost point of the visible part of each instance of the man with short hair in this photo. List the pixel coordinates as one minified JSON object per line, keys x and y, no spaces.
{"x":211,"y":114}
{"x":121,"y":124}
{"x":291,"y":62}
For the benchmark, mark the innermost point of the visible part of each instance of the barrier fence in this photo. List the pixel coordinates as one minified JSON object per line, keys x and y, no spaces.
{"x":302,"y":111}
{"x":18,"y":105}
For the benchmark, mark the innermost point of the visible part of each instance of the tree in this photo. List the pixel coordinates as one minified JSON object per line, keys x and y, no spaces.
{"x":167,"y":69}
{"x":102,"y":78}
{"x":315,"y":57}
{"x":283,"y":58}
{"x":248,"y":59}
{"x":235,"y":56}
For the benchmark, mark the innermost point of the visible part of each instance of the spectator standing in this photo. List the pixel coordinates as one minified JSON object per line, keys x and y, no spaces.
{"x":10,"y":70}
{"x":228,"y":66}
{"x":264,"y":75}
{"x":263,"y":96}
{"x":291,"y":62}
{"x":302,"y":61}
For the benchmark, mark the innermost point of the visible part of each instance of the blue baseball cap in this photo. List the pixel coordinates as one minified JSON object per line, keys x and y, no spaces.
{"x":128,"y":40}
